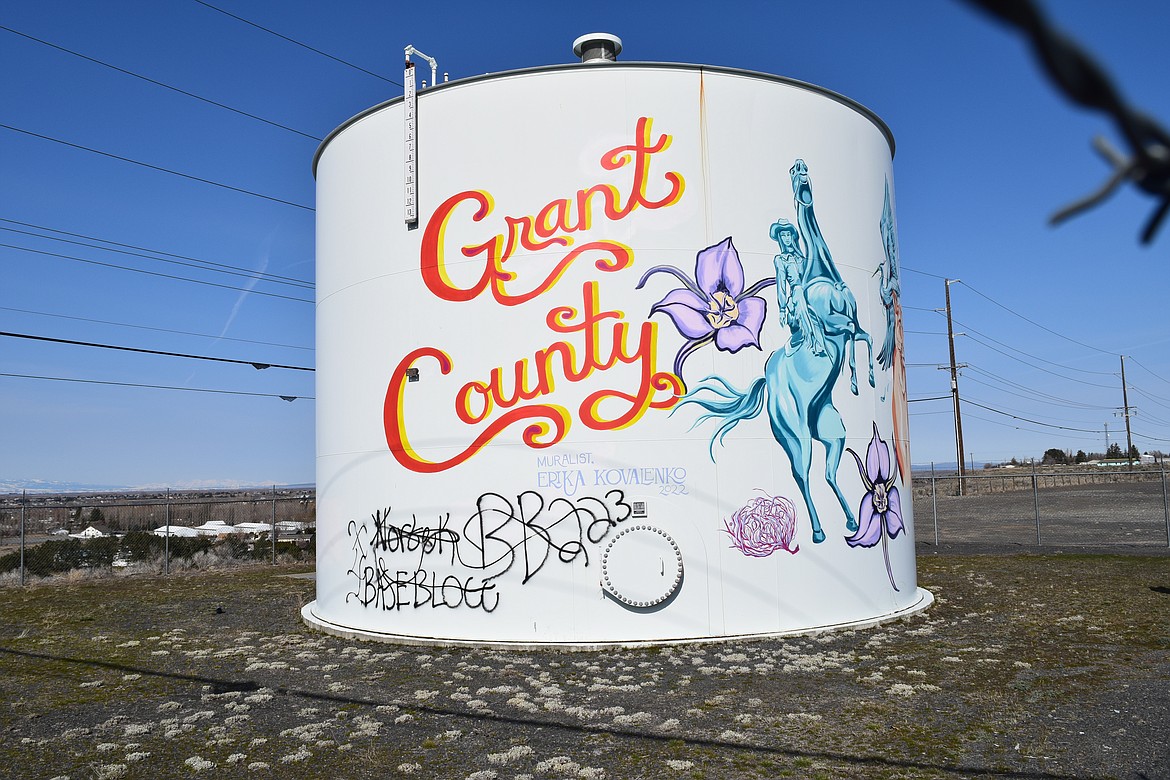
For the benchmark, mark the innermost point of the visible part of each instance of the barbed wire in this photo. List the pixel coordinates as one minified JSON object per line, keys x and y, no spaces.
{"x":1086,"y":83}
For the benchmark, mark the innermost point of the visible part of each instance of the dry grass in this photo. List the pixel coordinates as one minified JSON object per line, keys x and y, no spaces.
{"x":142,"y":677}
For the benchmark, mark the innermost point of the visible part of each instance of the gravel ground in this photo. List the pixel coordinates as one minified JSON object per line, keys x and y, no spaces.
{"x":1037,"y":665}
{"x":1123,"y":513}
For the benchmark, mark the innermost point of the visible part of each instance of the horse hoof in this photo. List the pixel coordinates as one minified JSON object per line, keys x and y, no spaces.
{"x":851,"y":526}
{"x":818,"y":536}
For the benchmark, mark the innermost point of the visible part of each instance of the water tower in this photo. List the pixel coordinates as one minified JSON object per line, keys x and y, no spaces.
{"x":609,"y":352}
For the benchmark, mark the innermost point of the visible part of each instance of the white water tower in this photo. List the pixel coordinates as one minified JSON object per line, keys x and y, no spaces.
{"x":594,"y":361}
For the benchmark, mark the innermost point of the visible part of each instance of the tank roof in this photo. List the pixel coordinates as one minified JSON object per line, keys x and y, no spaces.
{"x":577,"y":67}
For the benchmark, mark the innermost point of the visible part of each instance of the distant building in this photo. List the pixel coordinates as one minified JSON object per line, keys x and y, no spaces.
{"x":253,"y":528}
{"x":181,"y":531}
{"x":215,"y":528}
{"x":93,"y":531}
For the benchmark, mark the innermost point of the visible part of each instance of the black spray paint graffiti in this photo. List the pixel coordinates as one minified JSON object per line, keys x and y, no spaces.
{"x":500,"y":535}
{"x":382,"y":587}
{"x":412,"y":537}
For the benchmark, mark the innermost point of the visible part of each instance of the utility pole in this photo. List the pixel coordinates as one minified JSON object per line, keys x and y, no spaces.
{"x":1125,"y":412}
{"x":955,"y":389}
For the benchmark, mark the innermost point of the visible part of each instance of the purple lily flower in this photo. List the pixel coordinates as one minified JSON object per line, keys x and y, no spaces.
{"x":880,"y":514}
{"x":714,"y":306}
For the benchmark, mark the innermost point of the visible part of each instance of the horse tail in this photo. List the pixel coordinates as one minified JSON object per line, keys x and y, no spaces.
{"x":730,"y":404}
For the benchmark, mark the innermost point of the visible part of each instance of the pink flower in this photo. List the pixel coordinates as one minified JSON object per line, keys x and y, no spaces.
{"x":765,"y":525}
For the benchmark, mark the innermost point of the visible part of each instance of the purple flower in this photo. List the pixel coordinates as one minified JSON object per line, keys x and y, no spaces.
{"x":765,"y":525}
{"x":714,"y":306}
{"x":881,"y":507}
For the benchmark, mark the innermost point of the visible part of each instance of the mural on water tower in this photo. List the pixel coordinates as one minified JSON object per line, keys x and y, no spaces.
{"x":611,"y":377}
{"x":716,"y":307}
{"x":819,"y":312}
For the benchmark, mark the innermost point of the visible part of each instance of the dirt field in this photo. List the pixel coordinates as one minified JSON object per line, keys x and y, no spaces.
{"x":1028,"y":666}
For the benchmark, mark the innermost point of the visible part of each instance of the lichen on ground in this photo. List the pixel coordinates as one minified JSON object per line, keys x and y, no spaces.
{"x":1039,"y":665}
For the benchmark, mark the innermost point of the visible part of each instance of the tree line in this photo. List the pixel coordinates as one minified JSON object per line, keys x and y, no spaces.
{"x":1057,"y":456}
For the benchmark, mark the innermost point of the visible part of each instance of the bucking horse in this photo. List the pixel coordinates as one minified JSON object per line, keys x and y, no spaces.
{"x":798,"y":381}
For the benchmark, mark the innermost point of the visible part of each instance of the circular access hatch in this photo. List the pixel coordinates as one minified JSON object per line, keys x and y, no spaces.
{"x":641,"y":566}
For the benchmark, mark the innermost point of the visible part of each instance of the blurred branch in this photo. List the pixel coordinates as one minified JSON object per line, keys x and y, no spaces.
{"x":1087,"y":84}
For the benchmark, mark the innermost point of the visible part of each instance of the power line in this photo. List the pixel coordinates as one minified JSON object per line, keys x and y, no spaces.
{"x":1155,"y":398}
{"x":1038,"y":368}
{"x":152,"y":251}
{"x":1148,"y":371}
{"x":1057,"y":419}
{"x":244,"y":273}
{"x":298,"y":43}
{"x":1034,"y":357}
{"x":258,"y":365}
{"x":1012,"y":357}
{"x":924,"y":273}
{"x":155,"y":273}
{"x":160,"y":330}
{"x":1146,"y":416}
{"x":1037,"y":324}
{"x":1029,"y":430}
{"x":1039,"y":400}
{"x":289,"y":398}
{"x":1038,"y":395}
{"x":1032,"y":399}
{"x":161,"y":84}
{"x":1033,"y":422}
{"x":157,"y":167}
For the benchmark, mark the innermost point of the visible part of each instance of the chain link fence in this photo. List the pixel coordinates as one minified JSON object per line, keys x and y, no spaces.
{"x":43,"y":536}
{"x":1101,"y":507}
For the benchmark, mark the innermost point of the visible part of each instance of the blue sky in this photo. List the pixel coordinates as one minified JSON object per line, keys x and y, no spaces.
{"x":987,"y":150}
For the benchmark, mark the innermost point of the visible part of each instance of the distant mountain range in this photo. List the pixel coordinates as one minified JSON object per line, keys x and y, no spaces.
{"x":49,"y":486}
